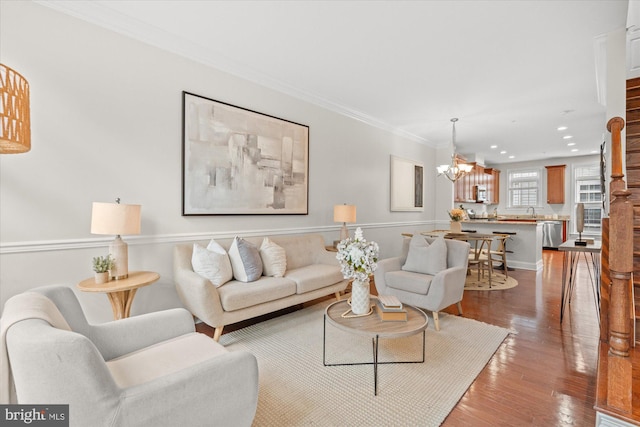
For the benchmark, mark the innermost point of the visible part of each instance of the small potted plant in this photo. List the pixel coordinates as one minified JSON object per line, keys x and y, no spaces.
{"x":101,"y":266}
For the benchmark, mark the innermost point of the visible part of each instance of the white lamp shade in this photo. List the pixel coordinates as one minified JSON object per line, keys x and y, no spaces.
{"x":115,"y":219}
{"x":344,"y":213}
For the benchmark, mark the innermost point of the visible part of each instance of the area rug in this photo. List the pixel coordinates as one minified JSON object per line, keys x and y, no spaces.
{"x":498,"y":282}
{"x":296,"y":389}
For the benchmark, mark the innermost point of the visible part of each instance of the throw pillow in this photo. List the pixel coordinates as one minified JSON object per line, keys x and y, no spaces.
{"x":212,"y":263}
{"x":274,"y":258}
{"x":426,"y":258}
{"x":245,"y":260}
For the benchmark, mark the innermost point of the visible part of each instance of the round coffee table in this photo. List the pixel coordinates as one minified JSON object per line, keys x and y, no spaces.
{"x":371,"y":326}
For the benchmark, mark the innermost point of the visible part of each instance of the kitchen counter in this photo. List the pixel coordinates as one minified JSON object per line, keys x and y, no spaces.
{"x":521,"y":218}
{"x":525,"y":255}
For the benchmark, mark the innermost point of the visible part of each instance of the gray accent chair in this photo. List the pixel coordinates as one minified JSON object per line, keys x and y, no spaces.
{"x":148,"y":370}
{"x":429,"y":292}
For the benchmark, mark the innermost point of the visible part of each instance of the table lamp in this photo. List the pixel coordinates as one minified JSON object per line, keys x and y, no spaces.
{"x":116,"y":219}
{"x":344,"y":214}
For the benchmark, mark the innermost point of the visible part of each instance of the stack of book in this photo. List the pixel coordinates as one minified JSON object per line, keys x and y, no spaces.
{"x":389,"y":308}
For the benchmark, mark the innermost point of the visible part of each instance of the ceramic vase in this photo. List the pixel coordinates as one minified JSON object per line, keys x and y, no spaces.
{"x":360,"y":297}
{"x":102,"y":278}
{"x":455,"y":227}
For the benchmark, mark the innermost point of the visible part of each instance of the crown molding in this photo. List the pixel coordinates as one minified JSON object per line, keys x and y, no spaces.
{"x":99,"y":14}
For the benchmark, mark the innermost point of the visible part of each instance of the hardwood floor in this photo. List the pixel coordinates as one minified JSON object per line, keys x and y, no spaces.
{"x":545,"y":375}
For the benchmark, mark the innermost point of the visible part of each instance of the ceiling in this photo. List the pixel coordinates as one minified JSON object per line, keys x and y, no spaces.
{"x":511,"y":71}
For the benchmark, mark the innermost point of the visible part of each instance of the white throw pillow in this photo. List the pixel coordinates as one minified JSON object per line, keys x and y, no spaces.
{"x":212,"y":263}
{"x":274,"y":258}
{"x":426,"y":258}
{"x":245,"y":260}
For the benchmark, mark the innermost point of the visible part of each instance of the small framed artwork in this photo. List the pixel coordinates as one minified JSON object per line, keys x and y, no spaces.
{"x":407,"y":185}
{"x":240,"y":162}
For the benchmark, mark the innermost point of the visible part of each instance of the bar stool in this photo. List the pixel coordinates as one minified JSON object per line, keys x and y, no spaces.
{"x":501,"y":251}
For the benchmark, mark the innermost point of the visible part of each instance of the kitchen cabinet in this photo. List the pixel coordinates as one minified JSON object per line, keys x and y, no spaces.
{"x":464,"y":188}
{"x":492,"y":177}
{"x":555,"y":184}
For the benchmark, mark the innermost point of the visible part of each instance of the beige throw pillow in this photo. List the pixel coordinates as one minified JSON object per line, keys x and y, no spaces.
{"x":274,"y":258}
{"x":212,"y":263}
{"x":426,"y":258}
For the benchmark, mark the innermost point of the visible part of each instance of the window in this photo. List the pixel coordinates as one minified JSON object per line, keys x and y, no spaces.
{"x":524,"y":188}
{"x":588,"y":190}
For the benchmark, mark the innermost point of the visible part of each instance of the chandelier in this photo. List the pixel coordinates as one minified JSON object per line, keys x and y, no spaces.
{"x":455,"y":169}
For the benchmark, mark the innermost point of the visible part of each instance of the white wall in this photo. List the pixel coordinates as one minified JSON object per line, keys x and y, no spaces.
{"x":106,"y":123}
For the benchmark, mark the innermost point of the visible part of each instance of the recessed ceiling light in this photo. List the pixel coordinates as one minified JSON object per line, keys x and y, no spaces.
{"x":573,"y":150}
{"x":512,"y":156}
{"x":493,"y":146}
{"x":562,"y":128}
{"x":571,"y":144}
{"x":567,"y":137}
{"x":503,"y":152}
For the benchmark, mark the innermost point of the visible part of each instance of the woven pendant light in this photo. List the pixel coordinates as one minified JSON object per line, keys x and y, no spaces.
{"x":15,"y":122}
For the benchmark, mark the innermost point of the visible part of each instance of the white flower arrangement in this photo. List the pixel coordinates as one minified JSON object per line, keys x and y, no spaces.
{"x":358,"y":258}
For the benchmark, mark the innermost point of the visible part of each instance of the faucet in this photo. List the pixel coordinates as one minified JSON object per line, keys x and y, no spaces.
{"x":533,"y":210}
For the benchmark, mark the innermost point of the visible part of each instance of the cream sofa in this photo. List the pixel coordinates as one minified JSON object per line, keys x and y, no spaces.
{"x":311,"y":272}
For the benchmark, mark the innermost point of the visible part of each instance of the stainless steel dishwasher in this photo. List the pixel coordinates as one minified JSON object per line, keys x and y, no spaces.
{"x":551,"y":234}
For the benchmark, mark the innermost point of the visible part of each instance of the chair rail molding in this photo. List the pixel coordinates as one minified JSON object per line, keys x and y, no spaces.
{"x":75,"y":244}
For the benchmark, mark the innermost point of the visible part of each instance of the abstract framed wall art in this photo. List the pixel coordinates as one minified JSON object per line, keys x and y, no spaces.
{"x":240,"y":162}
{"x":407,"y":185}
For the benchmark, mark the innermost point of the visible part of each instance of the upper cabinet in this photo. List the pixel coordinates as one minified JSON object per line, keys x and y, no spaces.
{"x":464,"y":188}
{"x":555,"y":184}
{"x":492,"y":177}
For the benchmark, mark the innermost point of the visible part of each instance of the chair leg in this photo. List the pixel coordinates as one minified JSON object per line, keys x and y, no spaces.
{"x":436,"y":322}
{"x":504,"y":265}
{"x":217,"y":333}
{"x":338,"y":296}
{"x":459,"y":304}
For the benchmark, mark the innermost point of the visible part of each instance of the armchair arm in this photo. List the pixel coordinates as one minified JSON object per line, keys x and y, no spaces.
{"x":385,"y":265}
{"x":447,"y":288}
{"x":222,"y":391}
{"x":113,"y":339}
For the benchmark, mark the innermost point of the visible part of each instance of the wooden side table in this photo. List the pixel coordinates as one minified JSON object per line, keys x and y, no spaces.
{"x":121,"y":292}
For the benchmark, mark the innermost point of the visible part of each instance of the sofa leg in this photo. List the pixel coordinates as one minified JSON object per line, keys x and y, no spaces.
{"x":338,"y":296}
{"x":460,"y":308}
{"x":217,"y":332}
{"x":436,"y":322}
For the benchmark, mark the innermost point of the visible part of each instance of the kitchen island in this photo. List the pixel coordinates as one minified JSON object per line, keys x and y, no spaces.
{"x":524,"y":248}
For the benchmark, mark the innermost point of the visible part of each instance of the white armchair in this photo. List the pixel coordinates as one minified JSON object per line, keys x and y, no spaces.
{"x":432,"y":292}
{"x":148,"y":370}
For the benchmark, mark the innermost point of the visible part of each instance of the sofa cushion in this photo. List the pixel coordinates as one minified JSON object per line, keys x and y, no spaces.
{"x":426,"y":258}
{"x":314,"y":277}
{"x":274,"y":258}
{"x":162,"y":359}
{"x":245,"y":260}
{"x":417,"y":283}
{"x":212,"y":263}
{"x":236,"y":295}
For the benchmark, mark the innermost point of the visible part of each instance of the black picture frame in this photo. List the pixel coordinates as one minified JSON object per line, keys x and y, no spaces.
{"x":237,"y":161}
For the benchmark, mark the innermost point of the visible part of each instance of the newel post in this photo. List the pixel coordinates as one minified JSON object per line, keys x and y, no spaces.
{"x":621,"y":248}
